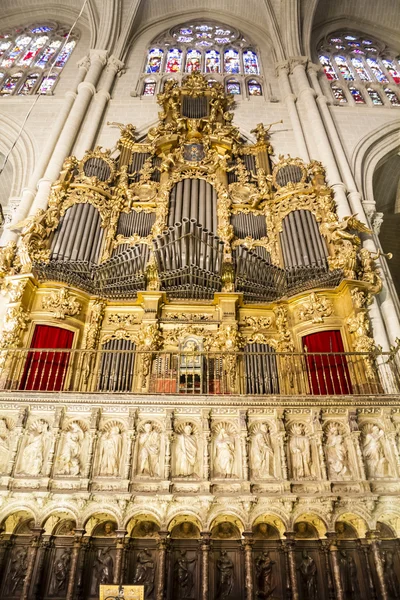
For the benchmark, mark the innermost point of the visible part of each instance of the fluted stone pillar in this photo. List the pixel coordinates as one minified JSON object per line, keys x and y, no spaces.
{"x":119,"y":556}
{"x":290,"y":545}
{"x":32,"y":554}
{"x":205,"y":544}
{"x":335,"y":566}
{"x":374,"y":544}
{"x":247,"y":543}
{"x":162,"y":559}
{"x":74,"y":563}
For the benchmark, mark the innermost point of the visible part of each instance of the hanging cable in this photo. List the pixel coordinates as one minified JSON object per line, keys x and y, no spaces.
{"x":7,"y":156}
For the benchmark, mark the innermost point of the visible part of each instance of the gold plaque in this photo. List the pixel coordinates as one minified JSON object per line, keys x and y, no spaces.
{"x":129,"y":592}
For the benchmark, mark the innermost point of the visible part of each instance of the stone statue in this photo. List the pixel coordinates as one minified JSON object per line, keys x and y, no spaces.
{"x":300,"y":452}
{"x":308,"y":575}
{"x":392,"y":583}
{"x":144,"y":571}
{"x":184,"y":575}
{"x":69,"y":459}
{"x":336,"y":453}
{"x":262,"y":454}
{"x":35,"y":451}
{"x":4,"y":445}
{"x":110,"y":452}
{"x":265,"y":576}
{"x":374,"y":453}
{"x":18,"y":567}
{"x":224,"y":454}
{"x":348,"y":576}
{"x":149,"y":451}
{"x":186,"y":452}
{"x":103,"y":569}
{"x":226,"y":576}
{"x":60,"y":572}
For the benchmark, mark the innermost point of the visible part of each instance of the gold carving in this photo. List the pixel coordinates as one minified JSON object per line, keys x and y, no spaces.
{"x":15,"y":321}
{"x":61,"y":304}
{"x":315,"y":308}
{"x":123,"y":319}
{"x":285,"y":343}
{"x":7,"y":254}
{"x":258,"y":323}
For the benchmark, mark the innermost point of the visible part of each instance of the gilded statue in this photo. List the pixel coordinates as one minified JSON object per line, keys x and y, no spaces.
{"x":344,"y":244}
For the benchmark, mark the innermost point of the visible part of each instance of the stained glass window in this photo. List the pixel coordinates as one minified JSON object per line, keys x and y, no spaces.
{"x":47,"y":84}
{"x":360,"y":69}
{"x":174,"y":60}
{"x":33,"y":50}
{"x":211,"y":82}
{"x":212,"y":61}
{"x":233,"y":87}
{"x":21,"y":43}
{"x":231,"y":61}
{"x":65,"y":53}
{"x":28,"y":85}
{"x":149,"y":88}
{"x":254,"y":88}
{"x":338,"y":94}
{"x":48,"y":52}
{"x":4,"y":46}
{"x":392,"y":97}
{"x":376,"y":70}
{"x":344,"y":68}
{"x":358,"y":99}
{"x":193,"y":61}
{"x":154,"y":60}
{"x":41,"y":29}
{"x":328,"y":68}
{"x":250,"y":62}
{"x":10,"y":84}
{"x":375,"y":97}
{"x":390,"y":66}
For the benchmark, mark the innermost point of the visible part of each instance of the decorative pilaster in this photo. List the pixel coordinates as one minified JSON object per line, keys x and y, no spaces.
{"x":93,"y":433}
{"x":374,"y":545}
{"x":56,"y":435}
{"x":244,"y":443}
{"x":119,"y":556}
{"x":290,"y":545}
{"x":74,"y":563}
{"x":85,"y":545}
{"x":366,"y":549}
{"x":205,"y":545}
{"x":331,"y":550}
{"x":17,"y":439}
{"x":130,"y":440}
{"x":161,"y":570}
{"x":169,"y":435}
{"x":247,"y":543}
{"x":32,"y":554}
{"x":42,"y":550}
{"x":206,"y":445}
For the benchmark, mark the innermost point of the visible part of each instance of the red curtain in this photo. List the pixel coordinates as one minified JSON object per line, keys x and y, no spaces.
{"x":327,"y":373}
{"x":46,"y":370}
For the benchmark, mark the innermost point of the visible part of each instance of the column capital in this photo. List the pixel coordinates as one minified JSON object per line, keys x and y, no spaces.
{"x":297,"y":61}
{"x":314,"y":68}
{"x":83,"y":63}
{"x":282,"y":67}
{"x":114,"y":64}
{"x":290,"y":537}
{"x":100,"y":55}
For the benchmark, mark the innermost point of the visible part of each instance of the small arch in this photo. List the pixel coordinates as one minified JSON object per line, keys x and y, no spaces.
{"x":226,"y":526}
{"x":186,"y":526}
{"x":254,"y":88}
{"x":349,"y":524}
{"x":315,"y":525}
{"x":60,"y":523}
{"x":143,"y":525}
{"x":268,"y":527}
{"x":95,"y":523}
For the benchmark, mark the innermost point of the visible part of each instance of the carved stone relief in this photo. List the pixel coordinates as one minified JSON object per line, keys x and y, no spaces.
{"x":38,"y":440}
{"x":224,"y":450}
{"x":186,"y":450}
{"x":262,"y":455}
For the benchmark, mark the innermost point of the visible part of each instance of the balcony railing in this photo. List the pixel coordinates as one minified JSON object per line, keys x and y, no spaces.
{"x":194,"y":373}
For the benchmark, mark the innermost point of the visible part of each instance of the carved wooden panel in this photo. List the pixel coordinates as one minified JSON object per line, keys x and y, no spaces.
{"x":141,"y":563}
{"x":228,"y":575}
{"x":183,"y":571}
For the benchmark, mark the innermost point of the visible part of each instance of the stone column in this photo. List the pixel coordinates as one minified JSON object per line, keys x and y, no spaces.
{"x":205,"y":544}
{"x":32,"y":554}
{"x":85,"y":545}
{"x":74,"y":563}
{"x":5,"y":544}
{"x":372,"y":536}
{"x":119,"y":555}
{"x":334,"y":564}
{"x":290,"y":544}
{"x":44,"y":546}
{"x":161,"y":567}
{"x":247,"y":543}
{"x":365,"y":550}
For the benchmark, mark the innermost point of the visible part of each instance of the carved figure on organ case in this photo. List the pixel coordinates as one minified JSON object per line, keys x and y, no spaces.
{"x":265,"y":576}
{"x":18,"y":567}
{"x":110,"y":452}
{"x":149,"y":451}
{"x":186,"y":452}
{"x":262,"y":453}
{"x":4,"y":445}
{"x":300,"y":452}
{"x":224,"y":454}
{"x":336,"y":453}
{"x":184,"y":576}
{"x":226,"y":576}
{"x":103,"y":569}
{"x":374,"y":452}
{"x":69,"y":459}
{"x":144,"y":571}
{"x":392,"y":582}
{"x":308,"y":575}
{"x":348,"y":577}
{"x":36,"y":449}
{"x":61,"y":568}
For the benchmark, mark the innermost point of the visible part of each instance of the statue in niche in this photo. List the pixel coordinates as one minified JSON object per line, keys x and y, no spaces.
{"x":304,"y":531}
{"x":144,"y":571}
{"x":392,"y":582}
{"x":336,"y":453}
{"x":300,"y":452}
{"x":36,"y":449}
{"x":149,"y":451}
{"x":103,"y":569}
{"x":18,"y":567}
{"x":344,"y":531}
{"x":224,"y":531}
{"x":224,"y":454}
{"x":226,"y":576}
{"x":186,"y":452}
{"x":348,"y":576}
{"x":265,"y":576}
{"x":66,"y":528}
{"x":108,"y":529}
{"x":264,"y":531}
{"x":184,"y":576}
{"x":374,"y":452}
{"x":185,"y":530}
{"x":145,"y":529}
{"x":4,"y":445}
{"x":308,"y":575}
{"x":69,"y":460}
{"x":110,"y":452}
{"x":60,"y":572}
{"x":262,"y":453}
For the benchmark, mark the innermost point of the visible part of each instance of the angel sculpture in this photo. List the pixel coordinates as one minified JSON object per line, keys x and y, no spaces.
{"x":128,"y":131}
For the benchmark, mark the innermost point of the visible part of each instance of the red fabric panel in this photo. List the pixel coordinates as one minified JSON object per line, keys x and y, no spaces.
{"x":327,"y":373}
{"x":47,"y":370}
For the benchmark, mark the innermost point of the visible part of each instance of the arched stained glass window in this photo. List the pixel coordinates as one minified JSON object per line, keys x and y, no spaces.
{"x":254,"y":88}
{"x":39,"y":46}
{"x":212,"y":61}
{"x":352,"y":58}
{"x":154,"y":60}
{"x":250,"y":63}
{"x":392,"y":97}
{"x":231,"y":61}
{"x":174,"y":60}
{"x":193,"y":61}
{"x":338,"y":94}
{"x":149,"y":88}
{"x":233,"y":87}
